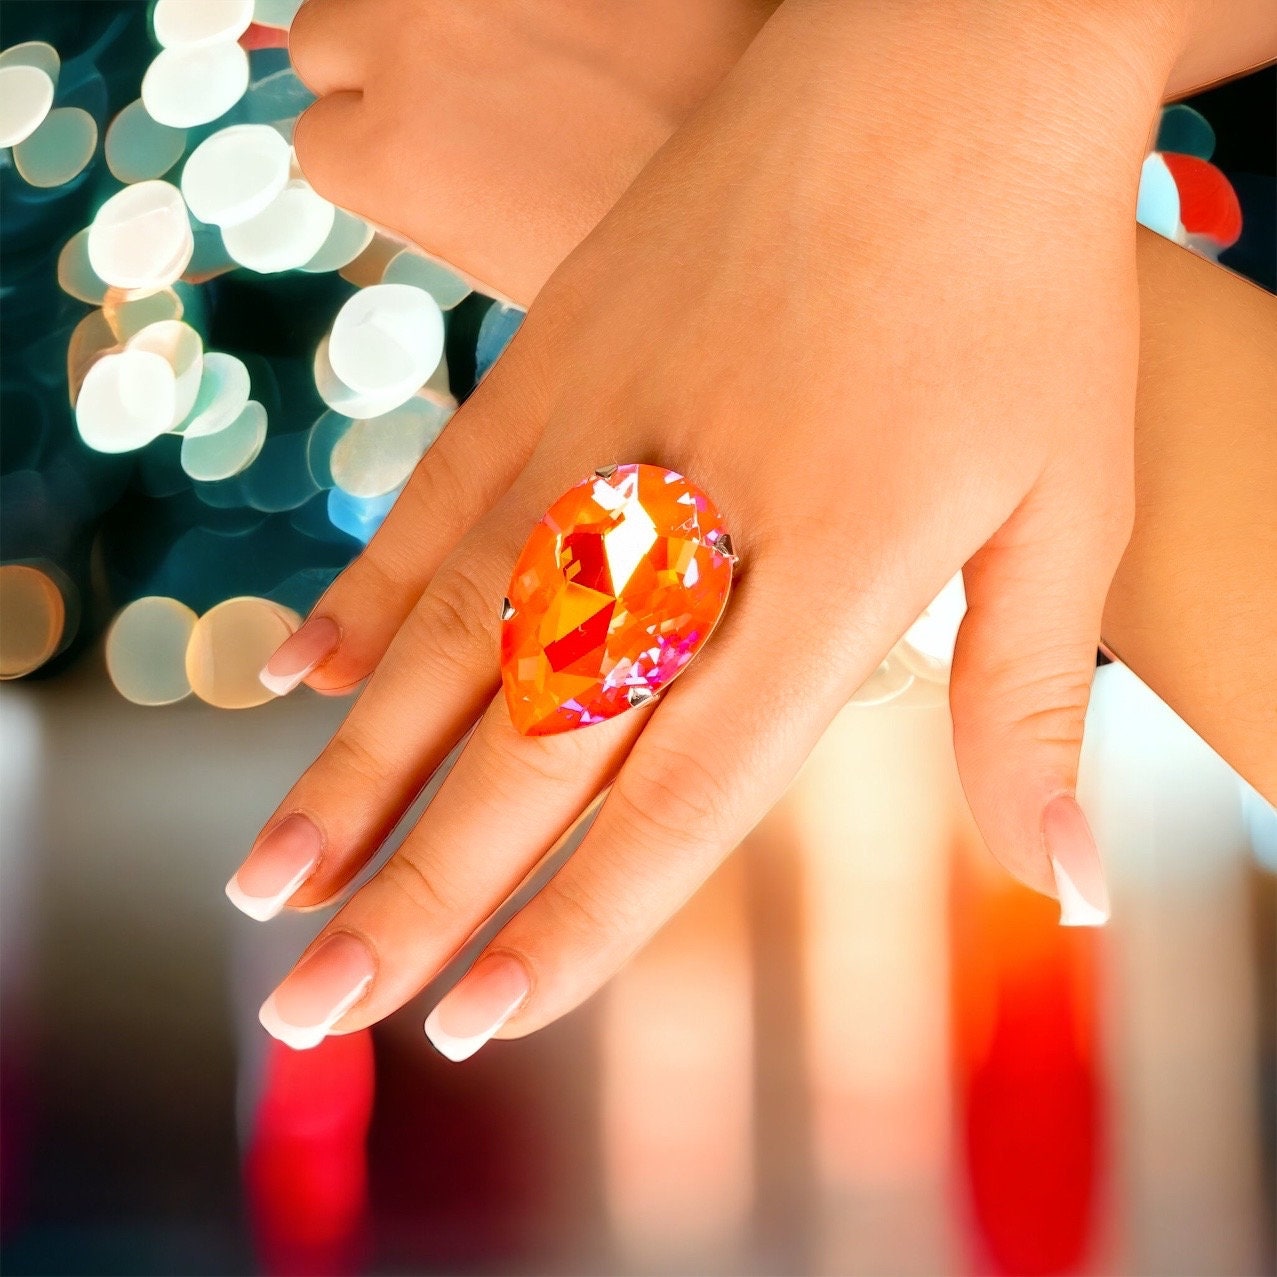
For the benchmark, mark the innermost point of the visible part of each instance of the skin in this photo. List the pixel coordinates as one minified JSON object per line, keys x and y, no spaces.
{"x":541,"y":113}
{"x":763,"y":194}
{"x":1193,"y":607}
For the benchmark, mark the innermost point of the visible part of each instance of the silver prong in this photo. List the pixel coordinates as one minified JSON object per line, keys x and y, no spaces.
{"x":637,"y":696}
{"x":507,"y":609}
{"x":725,"y":547}
{"x":605,"y":472}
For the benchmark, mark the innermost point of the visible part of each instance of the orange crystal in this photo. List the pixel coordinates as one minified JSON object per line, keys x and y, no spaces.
{"x":615,"y":591}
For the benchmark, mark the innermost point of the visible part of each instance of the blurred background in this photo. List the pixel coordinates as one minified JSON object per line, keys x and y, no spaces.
{"x":859,"y":1050}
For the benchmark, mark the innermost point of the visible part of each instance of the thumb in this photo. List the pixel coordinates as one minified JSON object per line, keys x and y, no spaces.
{"x":1021,"y":680}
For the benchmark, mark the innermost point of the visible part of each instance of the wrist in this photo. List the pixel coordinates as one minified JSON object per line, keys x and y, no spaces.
{"x":1066,"y":89}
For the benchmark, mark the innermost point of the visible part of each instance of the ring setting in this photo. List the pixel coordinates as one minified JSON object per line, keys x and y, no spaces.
{"x":618,"y":586}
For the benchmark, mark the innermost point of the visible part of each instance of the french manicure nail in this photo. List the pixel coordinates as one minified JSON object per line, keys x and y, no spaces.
{"x":474,"y":1009}
{"x":276,"y":867}
{"x":1075,"y":861}
{"x":318,"y":992}
{"x":299,"y":654}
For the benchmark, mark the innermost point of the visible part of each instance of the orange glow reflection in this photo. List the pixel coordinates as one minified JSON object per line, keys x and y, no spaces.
{"x":677,"y":1076}
{"x":1028,"y":1074}
{"x":872,"y":815}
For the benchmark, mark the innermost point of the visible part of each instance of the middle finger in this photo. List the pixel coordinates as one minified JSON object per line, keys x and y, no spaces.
{"x":506,"y":802}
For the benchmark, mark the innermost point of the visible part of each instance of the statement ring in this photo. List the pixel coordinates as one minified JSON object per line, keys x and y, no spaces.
{"x":617,"y":588}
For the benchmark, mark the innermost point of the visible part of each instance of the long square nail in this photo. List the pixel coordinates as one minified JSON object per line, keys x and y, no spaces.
{"x":478,"y":1005}
{"x":300,"y":654}
{"x":318,"y":992}
{"x":284,"y":858}
{"x":1075,"y":862}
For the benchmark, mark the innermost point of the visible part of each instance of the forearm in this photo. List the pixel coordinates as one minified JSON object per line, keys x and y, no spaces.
{"x":1200,"y":42}
{"x":1221,"y":39}
{"x":1193,"y":607}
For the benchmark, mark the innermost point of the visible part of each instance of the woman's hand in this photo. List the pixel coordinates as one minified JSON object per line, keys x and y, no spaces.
{"x":497,"y":134}
{"x":878,"y":298}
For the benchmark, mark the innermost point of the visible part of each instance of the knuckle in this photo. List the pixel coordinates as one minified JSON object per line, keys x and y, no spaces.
{"x":671,"y":796}
{"x":322,"y":142}
{"x":423,"y":890}
{"x":443,"y":483}
{"x":457,"y":617}
{"x":1059,"y":723}
{"x":1047,"y":700}
{"x":515,"y":765}
{"x":349,"y":754}
{"x":307,"y":42}
{"x":580,"y":911}
{"x":310,"y":143}
{"x":359,"y":592}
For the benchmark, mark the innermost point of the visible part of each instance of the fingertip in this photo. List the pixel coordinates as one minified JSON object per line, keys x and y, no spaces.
{"x":480,"y":1003}
{"x":301,"y":654}
{"x":1075,"y":864}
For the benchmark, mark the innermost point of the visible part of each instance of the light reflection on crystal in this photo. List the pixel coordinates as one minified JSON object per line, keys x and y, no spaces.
{"x":604,"y":598}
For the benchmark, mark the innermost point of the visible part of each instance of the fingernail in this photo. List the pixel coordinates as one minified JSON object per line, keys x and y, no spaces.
{"x":484,"y":999}
{"x":300,"y":653}
{"x":1075,"y":861}
{"x":276,"y":867}
{"x":318,"y":992}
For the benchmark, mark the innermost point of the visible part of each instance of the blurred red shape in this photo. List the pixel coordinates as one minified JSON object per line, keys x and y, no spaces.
{"x":1029,"y":1083}
{"x":306,"y":1171}
{"x":259,"y":37}
{"x":1207,"y":202}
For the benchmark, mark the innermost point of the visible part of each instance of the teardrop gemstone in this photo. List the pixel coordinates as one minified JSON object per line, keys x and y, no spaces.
{"x":616,"y":589}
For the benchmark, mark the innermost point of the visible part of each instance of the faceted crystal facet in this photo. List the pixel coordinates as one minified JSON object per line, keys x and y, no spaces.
{"x":617,"y":588}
